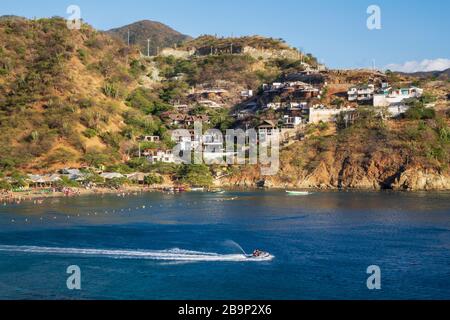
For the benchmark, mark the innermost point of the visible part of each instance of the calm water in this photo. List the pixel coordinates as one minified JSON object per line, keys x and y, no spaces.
{"x":185,"y":246}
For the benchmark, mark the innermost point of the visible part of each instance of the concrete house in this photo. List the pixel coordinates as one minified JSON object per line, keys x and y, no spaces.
{"x":361,"y":93}
{"x":389,"y":96}
{"x":164,"y":156}
{"x":154,"y":139}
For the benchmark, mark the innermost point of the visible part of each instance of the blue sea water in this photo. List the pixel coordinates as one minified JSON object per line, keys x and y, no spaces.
{"x":186,"y":246}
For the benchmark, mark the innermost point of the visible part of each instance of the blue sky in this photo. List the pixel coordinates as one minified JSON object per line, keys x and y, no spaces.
{"x":333,"y":30}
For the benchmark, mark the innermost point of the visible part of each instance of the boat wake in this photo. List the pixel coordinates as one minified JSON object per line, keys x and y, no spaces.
{"x":159,"y":255}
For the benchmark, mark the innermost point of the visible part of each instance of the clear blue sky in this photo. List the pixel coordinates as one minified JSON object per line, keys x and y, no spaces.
{"x":333,"y":30}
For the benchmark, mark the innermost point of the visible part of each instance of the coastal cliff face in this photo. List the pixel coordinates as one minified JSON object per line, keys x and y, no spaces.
{"x":328,"y":178}
{"x":420,"y":180}
{"x":403,"y":156}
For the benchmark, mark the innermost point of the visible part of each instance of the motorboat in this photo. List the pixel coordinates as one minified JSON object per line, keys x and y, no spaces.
{"x":297,"y":193}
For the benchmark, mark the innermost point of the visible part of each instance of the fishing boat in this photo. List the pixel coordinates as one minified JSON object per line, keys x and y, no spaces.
{"x":297,"y":193}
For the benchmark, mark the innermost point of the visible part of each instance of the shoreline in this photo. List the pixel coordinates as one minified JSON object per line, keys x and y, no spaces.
{"x":38,"y":195}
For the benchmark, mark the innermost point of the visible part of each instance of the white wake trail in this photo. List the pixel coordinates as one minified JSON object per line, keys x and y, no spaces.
{"x":161,"y":255}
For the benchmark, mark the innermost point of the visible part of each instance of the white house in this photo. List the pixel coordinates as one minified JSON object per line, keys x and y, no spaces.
{"x":292,"y":121}
{"x":292,"y":106}
{"x":247,"y":93}
{"x":243,"y":114}
{"x":390,"y":96}
{"x":150,"y":139}
{"x":361,"y":93}
{"x":164,"y":156}
{"x":273,"y":105}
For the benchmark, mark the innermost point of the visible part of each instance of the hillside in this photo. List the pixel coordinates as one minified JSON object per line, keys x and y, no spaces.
{"x":83,"y":98}
{"x":61,"y":94}
{"x":78,"y":98}
{"x":160,"y":35}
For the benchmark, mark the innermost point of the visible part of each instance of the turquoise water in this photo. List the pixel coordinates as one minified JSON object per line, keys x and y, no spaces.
{"x":186,"y":246}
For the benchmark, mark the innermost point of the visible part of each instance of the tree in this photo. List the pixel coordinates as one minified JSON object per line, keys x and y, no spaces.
{"x":153,"y":179}
{"x":196,"y":175}
{"x":96,"y":159}
{"x":5,"y":185}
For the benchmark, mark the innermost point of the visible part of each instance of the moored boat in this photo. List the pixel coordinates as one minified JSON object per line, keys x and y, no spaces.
{"x":297,"y":193}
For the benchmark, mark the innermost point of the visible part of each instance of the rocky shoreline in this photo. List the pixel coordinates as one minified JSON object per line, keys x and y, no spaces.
{"x":407,"y":180}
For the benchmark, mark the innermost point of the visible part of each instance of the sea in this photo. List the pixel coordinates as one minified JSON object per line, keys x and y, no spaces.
{"x":189,"y":246}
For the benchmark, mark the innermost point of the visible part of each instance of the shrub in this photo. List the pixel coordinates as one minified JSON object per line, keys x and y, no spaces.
{"x":61,"y":155}
{"x":418,"y":112}
{"x":65,"y":182}
{"x":82,"y":55}
{"x":111,"y":90}
{"x":90,"y":133}
{"x":96,"y":159}
{"x":5,"y":185}
{"x":116,"y":183}
{"x":196,"y":175}
{"x":153,"y":179}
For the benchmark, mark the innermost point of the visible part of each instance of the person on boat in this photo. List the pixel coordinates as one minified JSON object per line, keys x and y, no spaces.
{"x":257,"y":253}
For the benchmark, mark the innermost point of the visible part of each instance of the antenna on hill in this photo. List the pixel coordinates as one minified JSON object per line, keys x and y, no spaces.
{"x":373,"y":65}
{"x":128,"y":37}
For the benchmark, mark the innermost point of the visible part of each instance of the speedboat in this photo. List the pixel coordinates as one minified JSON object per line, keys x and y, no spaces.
{"x":260,"y":255}
{"x":297,"y":193}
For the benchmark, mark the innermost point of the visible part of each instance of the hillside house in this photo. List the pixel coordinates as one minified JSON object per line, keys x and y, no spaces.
{"x":173,"y":119}
{"x":361,"y":94}
{"x":267,"y":129}
{"x":297,"y":106}
{"x":154,"y":139}
{"x":243,"y":114}
{"x":273,"y":106}
{"x":388,"y":96}
{"x":186,"y":142}
{"x":246,"y":93}
{"x":292,"y":122}
{"x":163,"y":156}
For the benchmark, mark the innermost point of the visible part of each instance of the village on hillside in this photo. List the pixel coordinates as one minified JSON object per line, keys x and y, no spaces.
{"x":223,"y":83}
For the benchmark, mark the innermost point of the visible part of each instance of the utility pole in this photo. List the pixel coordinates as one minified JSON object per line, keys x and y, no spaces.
{"x":148,"y":47}
{"x":232,"y":48}
{"x":128,"y":37}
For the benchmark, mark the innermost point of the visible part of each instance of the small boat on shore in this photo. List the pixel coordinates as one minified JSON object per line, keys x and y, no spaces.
{"x":197,"y":189}
{"x":218,"y":191}
{"x":297,"y":193}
